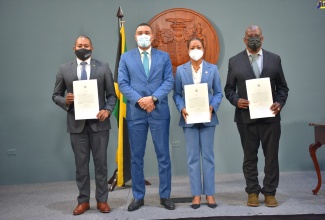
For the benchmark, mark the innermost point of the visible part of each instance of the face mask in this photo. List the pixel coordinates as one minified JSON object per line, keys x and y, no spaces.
{"x":143,"y":41}
{"x":254,"y":43}
{"x":83,"y":54}
{"x":196,"y":54}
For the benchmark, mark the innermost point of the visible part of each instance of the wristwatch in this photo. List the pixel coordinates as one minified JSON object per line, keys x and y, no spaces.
{"x":154,"y":98}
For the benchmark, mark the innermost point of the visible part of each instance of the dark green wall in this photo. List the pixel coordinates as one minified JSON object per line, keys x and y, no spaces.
{"x":37,"y":36}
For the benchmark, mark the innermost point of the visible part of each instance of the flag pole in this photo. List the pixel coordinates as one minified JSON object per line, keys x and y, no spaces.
{"x":119,"y":15}
{"x":121,"y":174}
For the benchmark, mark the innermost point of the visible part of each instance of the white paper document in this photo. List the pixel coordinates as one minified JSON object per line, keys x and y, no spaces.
{"x":86,"y":104}
{"x":197,"y":103}
{"x":260,"y":98}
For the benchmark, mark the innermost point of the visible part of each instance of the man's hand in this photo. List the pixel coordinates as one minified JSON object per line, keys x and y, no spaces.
{"x":69,"y":99}
{"x":147,"y":104}
{"x":243,"y":103}
{"x":275,"y":108}
{"x":103,"y":114}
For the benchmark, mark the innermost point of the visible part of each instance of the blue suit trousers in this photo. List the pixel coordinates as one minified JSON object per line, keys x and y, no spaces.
{"x":200,"y":144}
{"x":138,"y":132}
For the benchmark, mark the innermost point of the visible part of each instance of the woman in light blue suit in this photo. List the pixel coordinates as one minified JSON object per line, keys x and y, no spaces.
{"x":199,"y":137}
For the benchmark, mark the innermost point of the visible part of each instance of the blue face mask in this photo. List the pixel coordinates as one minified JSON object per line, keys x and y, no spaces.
{"x":143,"y":41}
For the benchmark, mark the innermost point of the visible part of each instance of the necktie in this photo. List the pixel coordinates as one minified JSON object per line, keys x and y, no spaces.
{"x":145,"y":62}
{"x":255,"y":65}
{"x":83,"y":71}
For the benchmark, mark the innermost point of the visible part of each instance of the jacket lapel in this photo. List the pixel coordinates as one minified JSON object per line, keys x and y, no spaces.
{"x":74,"y":67}
{"x":265,"y":60}
{"x":188,"y":73}
{"x":92,"y":69}
{"x":137,"y":58}
{"x":153,"y":62}
{"x":248,"y":64}
{"x":205,"y":72}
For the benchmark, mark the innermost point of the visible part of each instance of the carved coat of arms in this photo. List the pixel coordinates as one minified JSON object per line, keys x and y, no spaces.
{"x":173,"y":28}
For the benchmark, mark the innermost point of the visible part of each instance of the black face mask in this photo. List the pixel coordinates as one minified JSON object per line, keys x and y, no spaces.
{"x":254,"y":43}
{"x":83,"y":54}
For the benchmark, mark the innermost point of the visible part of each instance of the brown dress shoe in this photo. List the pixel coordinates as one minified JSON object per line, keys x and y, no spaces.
{"x":270,"y":201}
{"x":253,"y":200}
{"x":103,"y":207}
{"x":81,"y":208}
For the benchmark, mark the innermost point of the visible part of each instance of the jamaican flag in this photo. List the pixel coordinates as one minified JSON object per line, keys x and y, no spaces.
{"x":123,"y":147}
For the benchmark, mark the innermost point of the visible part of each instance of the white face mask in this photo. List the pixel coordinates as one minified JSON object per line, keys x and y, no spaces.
{"x":143,"y":40}
{"x":196,"y":54}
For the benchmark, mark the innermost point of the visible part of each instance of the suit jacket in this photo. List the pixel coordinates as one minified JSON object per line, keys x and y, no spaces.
{"x":240,"y":70}
{"x":210,"y":75}
{"x":106,"y":93}
{"x":134,"y":83}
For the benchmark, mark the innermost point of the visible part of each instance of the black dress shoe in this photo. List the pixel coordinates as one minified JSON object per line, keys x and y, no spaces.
{"x":212,"y":205}
{"x":195,"y":206}
{"x":135,"y":204}
{"x":167,"y":203}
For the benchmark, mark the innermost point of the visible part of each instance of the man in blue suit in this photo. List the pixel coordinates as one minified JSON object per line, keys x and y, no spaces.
{"x":145,"y":79}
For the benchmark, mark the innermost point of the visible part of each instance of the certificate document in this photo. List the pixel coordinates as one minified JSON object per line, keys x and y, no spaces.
{"x":197,"y":103}
{"x":86,"y":104}
{"x":260,"y":99}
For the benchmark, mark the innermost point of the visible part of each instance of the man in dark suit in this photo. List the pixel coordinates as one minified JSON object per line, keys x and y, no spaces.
{"x":87,"y":135}
{"x":255,"y":131}
{"x":145,"y":79}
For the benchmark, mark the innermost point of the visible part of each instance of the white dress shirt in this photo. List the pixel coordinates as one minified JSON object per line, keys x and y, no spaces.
{"x":79,"y":67}
{"x":197,"y":75}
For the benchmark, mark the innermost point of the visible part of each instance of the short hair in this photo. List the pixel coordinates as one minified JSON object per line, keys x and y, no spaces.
{"x":143,"y":24}
{"x":83,"y":36}
{"x":193,"y":39}
{"x":253,"y":27}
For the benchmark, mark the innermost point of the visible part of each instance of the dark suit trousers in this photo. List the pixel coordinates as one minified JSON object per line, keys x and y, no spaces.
{"x":252,"y":135}
{"x":96,"y":142}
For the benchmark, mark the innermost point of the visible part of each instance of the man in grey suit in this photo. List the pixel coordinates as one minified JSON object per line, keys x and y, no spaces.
{"x":87,"y":135}
{"x":255,"y":62}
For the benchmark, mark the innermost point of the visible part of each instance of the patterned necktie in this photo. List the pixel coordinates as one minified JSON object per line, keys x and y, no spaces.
{"x":83,"y":71}
{"x":255,"y":65}
{"x":145,"y":62}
